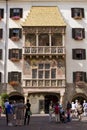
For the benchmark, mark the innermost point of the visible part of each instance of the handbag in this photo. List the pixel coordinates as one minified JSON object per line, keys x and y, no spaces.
{"x":29,"y":113}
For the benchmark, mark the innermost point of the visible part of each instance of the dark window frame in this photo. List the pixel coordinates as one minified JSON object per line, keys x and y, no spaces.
{"x":14,"y":76}
{"x":79,"y":76}
{"x":79,"y":54}
{"x":15,"y":33}
{"x":15,"y":54}
{"x":16,"y":13}
{"x":78,"y":33}
{"x":77,"y":13}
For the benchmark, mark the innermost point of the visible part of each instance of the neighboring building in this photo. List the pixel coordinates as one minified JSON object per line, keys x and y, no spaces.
{"x":43,"y":51}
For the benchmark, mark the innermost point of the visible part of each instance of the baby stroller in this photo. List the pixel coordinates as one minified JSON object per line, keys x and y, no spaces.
{"x":63,"y":117}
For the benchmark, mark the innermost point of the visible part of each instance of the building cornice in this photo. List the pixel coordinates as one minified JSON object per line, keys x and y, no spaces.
{"x":44,"y":0}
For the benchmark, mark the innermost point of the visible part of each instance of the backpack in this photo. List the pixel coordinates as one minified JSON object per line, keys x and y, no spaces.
{"x":56,"y":109}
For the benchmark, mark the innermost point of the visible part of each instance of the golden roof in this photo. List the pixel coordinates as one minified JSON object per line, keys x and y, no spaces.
{"x":44,"y":16}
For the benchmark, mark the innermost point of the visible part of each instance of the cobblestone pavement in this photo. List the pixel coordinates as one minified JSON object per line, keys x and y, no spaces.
{"x":41,"y":122}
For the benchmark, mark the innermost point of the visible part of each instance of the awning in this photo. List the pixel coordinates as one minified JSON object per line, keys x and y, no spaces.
{"x":44,"y":16}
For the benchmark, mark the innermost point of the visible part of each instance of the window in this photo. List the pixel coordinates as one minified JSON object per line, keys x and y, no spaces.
{"x":34,"y":73}
{"x":16,"y":13}
{"x":14,"y":76}
{"x":79,"y":54}
{"x":53,"y":73}
{"x":1,"y":33}
{"x":15,"y":33}
{"x":43,"y":40}
{"x":78,"y":33}
{"x":77,"y":13}
{"x":15,"y":54}
{"x":79,"y":76}
{"x":0,"y":54}
{"x":1,"y":13}
{"x":44,"y":71}
{"x":0,"y":77}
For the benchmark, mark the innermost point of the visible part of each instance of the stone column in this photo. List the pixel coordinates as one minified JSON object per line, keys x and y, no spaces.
{"x":37,"y":37}
{"x":25,"y":97}
{"x":50,"y":39}
{"x":61,"y":98}
{"x":63,"y":40}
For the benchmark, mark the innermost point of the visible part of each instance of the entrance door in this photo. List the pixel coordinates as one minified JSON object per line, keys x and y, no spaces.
{"x":48,"y":99}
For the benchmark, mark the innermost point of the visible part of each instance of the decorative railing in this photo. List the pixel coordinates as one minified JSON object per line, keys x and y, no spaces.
{"x":44,"y":50}
{"x":44,"y":83}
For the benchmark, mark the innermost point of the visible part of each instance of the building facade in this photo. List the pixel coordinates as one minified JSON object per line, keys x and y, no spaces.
{"x":43,"y":51}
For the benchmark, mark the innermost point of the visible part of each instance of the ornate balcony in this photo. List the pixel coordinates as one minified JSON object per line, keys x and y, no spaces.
{"x":44,"y":83}
{"x":44,"y":50}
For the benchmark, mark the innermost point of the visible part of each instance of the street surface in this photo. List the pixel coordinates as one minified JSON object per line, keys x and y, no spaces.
{"x":41,"y":122}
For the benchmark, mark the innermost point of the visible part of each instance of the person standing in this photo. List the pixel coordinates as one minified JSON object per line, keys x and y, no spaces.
{"x":27,"y":113}
{"x":50,"y":111}
{"x":10,"y":114}
{"x":68,"y":108}
{"x":6,"y":104}
{"x":57,"y":112}
{"x":85,"y":108}
{"x":79,"y":110}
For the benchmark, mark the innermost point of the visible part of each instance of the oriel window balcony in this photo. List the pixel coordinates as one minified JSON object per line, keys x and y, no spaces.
{"x":44,"y":83}
{"x":55,"y":50}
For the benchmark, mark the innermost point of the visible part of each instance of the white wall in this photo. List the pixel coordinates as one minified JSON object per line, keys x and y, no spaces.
{"x":65,"y":9}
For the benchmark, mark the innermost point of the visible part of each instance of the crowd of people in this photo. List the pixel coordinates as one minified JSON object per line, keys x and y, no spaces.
{"x":17,"y":113}
{"x":72,"y":109}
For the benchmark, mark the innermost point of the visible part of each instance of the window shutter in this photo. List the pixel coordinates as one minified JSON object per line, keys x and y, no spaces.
{"x":84,"y":74}
{"x":72,"y":12}
{"x":12,"y":76}
{"x":73,"y":32}
{"x":74,"y":76}
{"x":2,"y":13}
{"x":21,"y":12}
{"x":1,"y":31}
{"x":20,"y":54}
{"x":84,"y":54}
{"x":83,"y":32}
{"x":10,"y":33}
{"x":73,"y":53}
{"x":0,"y":54}
{"x":10,"y":53}
{"x":9,"y":77}
{"x":0,"y":77}
{"x":20,"y":33}
{"x":82,"y":12}
{"x":11,"y":13}
{"x":19,"y":74}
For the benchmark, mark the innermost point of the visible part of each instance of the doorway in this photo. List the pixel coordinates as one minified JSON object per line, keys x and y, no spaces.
{"x":49,"y":98}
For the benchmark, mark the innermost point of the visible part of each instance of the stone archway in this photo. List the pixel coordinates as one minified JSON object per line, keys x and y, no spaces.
{"x":15,"y":96}
{"x":80,"y":97}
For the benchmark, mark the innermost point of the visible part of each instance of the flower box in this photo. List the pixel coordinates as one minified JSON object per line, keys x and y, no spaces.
{"x":14,"y":83}
{"x":15,"y":38}
{"x":14,"y":59}
{"x":16,"y":17}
